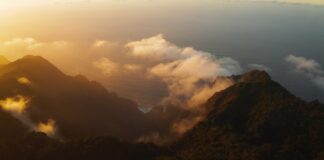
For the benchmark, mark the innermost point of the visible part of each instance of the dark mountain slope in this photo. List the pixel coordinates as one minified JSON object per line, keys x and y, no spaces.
{"x":37,"y":146}
{"x":256,"y":119}
{"x":80,"y":107}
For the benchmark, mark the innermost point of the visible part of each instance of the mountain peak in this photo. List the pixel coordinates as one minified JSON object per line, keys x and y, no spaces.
{"x":255,"y":76}
{"x":34,"y":58}
{"x":34,"y":67}
{"x":33,"y":63}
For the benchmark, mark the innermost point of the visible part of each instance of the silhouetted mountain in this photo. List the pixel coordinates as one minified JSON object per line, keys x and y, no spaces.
{"x":81,"y":108}
{"x":256,"y":119}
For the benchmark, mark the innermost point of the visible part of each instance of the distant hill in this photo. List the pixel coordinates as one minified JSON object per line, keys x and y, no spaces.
{"x":256,"y":119}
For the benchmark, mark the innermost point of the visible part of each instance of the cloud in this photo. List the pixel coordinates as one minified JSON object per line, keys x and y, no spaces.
{"x":202,"y":94}
{"x":152,"y":71}
{"x":15,"y":105}
{"x":187,"y":72}
{"x":59,"y":44}
{"x":308,"y":67}
{"x":184,"y":125}
{"x":28,"y":43}
{"x":24,"y":81}
{"x":107,"y":66}
{"x":132,"y":67}
{"x":104,"y":43}
{"x":49,"y":128}
{"x":99,"y":43}
{"x":17,"y":47}
{"x":304,"y":65}
{"x":155,"y":48}
{"x":191,"y":77}
{"x":259,"y":67}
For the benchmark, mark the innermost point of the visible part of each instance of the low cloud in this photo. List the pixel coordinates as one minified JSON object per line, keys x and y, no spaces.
{"x":49,"y":128}
{"x":104,"y":43}
{"x":155,"y":48}
{"x":17,"y":107}
{"x":188,"y":73}
{"x":24,"y":81}
{"x":153,"y":71}
{"x":28,"y":43}
{"x":132,"y":67}
{"x":106,"y":66}
{"x":309,"y":68}
{"x":191,"y":77}
{"x":260,"y":67}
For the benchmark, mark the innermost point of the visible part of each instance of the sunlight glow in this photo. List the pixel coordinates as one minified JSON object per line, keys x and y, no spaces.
{"x":16,"y":104}
{"x":48,"y":128}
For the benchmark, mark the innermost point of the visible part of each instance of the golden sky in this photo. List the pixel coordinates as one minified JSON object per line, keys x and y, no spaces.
{"x":80,"y":36}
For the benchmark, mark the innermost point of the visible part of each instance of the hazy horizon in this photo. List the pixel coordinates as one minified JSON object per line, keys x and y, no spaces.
{"x":76,"y":35}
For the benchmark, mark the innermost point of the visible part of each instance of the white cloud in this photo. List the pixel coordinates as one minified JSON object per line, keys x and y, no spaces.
{"x":107,"y":66}
{"x":99,"y":43}
{"x":132,"y":67}
{"x":156,"y":48}
{"x":24,"y":81}
{"x":28,"y":43}
{"x":15,"y":105}
{"x":188,"y":73}
{"x":59,"y":44}
{"x":308,"y":67}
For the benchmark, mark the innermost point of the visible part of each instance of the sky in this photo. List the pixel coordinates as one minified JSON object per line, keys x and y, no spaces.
{"x":135,"y":47}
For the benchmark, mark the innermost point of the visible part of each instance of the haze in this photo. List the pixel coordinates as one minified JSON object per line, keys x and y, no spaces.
{"x":89,"y":36}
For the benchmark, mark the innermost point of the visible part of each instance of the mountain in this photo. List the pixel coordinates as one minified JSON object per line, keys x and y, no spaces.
{"x":37,"y":146}
{"x":255,"y":119}
{"x":80,"y":108}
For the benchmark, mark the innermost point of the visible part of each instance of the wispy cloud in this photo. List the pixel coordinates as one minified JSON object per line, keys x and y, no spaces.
{"x":187,"y":72}
{"x":28,"y":43}
{"x":260,"y":67}
{"x":107,"y":66}
{"x":17,"y":106}
{"x":308,"y":67}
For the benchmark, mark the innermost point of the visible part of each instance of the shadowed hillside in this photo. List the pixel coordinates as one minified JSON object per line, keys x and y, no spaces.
{"x":256,"y":119}
{"x":81,"y":108}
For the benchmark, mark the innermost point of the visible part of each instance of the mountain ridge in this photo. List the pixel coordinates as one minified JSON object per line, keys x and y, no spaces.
{"x":256,"y":120}
{"x":80,"y":107}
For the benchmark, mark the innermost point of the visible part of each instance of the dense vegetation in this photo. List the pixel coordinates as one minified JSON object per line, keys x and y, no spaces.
{"x":37,"y":146}
{"x":256,"y":120}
